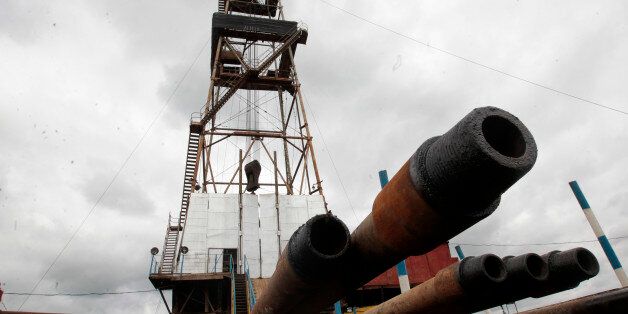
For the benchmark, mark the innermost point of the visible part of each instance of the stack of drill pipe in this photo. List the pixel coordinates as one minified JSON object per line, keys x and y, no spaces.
{"x":463,"y":287}
{"x":478,"y":283}
{"x":450,"y":183}
{"x":315,"y":253}
{"x":526,"y":273}
{"x":531,"y":275}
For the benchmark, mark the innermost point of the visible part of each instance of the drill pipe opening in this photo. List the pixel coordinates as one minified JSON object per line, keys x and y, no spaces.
{"x":481,"y":274}
{"x":318,"y":248}
{"x":536,"y":266}
{"x":494,"y":268}
{"x":329,"y":236}
{"x":503,"y":136}
{"x":587,"y":262}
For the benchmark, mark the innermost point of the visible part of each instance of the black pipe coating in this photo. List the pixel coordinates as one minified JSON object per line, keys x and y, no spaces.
{"x":481,"y":275}
{"x":526,"y":273}
{"x":318,"y":246}
{"x":477,"y":160}
{"x":567,"y":269}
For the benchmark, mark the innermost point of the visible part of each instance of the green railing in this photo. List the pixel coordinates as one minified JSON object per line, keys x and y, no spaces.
{"x":250,"y":284}
{"x":233,"y":294}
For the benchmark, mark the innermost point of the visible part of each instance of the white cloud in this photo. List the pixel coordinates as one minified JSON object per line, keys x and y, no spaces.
{"x":81,"y":81}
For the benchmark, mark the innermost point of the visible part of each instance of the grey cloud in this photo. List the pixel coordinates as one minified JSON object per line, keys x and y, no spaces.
{"x":125,"y":196}
{"x":372,"y":118}
{"x":25,"y":22}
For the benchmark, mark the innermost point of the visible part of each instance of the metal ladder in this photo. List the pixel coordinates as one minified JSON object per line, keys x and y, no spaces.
{"x":189,"y":180}
{"x":170,"y":246}
{"x":240,"y":294}
{"x":221,"y":6}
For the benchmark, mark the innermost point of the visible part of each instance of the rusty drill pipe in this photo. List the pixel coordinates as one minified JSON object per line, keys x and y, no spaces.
{"x":526,"y":273}
{"x":567,"y":269}
{"x":315,"y":253}
{"x":449,"y":184}
{"x":463,"y":287}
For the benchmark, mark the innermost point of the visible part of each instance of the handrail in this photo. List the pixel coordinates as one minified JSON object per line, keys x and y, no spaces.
{"x":252,"y":298}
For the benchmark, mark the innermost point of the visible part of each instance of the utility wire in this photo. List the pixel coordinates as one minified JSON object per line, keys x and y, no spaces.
{"x":79,"y":294}
{"x":331,"y":158}
{"x":113,"y":179}
{"x":591,"y":102}
{"x":534,"y":244}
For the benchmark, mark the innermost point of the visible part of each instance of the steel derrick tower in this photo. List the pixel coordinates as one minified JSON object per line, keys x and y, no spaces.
{"x":223,"y":234}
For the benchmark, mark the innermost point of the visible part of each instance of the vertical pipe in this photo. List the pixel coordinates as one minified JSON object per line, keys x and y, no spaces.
{"x":402,"y":271}
{"x":152,"y":260}
{"x":459,"y":252}
{"x":599,"y":233}
{"x":240,"y":206}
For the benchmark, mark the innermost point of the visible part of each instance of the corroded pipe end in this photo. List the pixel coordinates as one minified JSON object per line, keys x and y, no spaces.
{"x":577,"y":264}
{"x":567,"y":269}
{"x":318,"y":247}
{"x":477,"y":160}
{"x":527,"y":268}
{"x":526,"y":274}
{"x":481,"y":275}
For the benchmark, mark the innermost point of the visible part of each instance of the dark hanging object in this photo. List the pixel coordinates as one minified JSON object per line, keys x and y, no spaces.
{"x":252,"y":171}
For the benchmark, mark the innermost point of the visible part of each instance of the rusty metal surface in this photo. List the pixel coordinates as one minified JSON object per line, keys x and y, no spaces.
{"x":612,"y":301}
{"x":410,"y":215}
{"x":460,"y":288}
{"x":315,"y":254}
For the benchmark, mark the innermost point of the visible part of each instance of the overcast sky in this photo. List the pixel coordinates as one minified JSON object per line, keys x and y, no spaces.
{"x":81,"y":81}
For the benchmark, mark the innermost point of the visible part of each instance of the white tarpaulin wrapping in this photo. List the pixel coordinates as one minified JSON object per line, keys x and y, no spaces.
{"x":195,"y":237}
{"x":223,"y":226}
{"x":250,"y":234}
{"x":295,"y":210}
{"x":213,"y":225}
{"x":268,"y":234}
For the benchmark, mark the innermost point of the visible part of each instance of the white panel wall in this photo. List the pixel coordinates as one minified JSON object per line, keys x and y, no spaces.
{"x":223,"y":228}
{"x":295,"y":210}
{"x":213,"y":225}
{"x":195,"y":237}
{"x":250,"y":233}
{"x":268,"y":234}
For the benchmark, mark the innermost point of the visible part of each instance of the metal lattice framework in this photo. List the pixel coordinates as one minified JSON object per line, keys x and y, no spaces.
{"x":254,"y":110}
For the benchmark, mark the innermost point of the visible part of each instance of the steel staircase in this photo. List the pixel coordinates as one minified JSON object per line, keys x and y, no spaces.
{"x":240,"y":294}
{"x":170,"y":246}
{"x":221,"y":6}
{"x":191,"y":168}
{"x":189,"y":181}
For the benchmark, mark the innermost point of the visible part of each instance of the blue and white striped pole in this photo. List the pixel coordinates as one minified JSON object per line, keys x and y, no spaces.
{"x":599,"y":233}
{"x":402,"y":272}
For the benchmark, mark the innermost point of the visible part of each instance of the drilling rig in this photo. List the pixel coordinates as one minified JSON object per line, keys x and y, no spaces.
{"x":255,"y":234}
